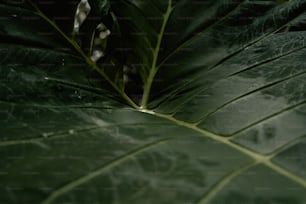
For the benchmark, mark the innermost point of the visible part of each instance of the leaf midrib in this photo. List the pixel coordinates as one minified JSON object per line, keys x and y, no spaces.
{"x":154,"y":67}
{"x":256,"y":159}
{"x":86,"y":58}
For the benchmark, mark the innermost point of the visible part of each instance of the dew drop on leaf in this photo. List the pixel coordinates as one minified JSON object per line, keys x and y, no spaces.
{"x":76,"y":94}
{"x":46,"y":134}
{"x":71,"y":132}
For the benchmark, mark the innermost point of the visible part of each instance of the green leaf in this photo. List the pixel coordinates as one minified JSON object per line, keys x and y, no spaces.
{"x":193,"y":38}
{"x":225,"y":83}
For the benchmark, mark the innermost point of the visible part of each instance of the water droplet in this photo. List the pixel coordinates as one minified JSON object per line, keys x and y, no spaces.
{"x":46,"y":134}
{"x":63,"y":62}
{"x":71,"y":132}
{"x":77,"y":94}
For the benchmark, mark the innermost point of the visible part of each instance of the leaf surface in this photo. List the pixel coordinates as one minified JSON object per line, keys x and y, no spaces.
{"x":225,"y":84}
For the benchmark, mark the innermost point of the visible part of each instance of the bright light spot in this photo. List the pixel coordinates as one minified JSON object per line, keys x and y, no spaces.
{"x":141,"y":109}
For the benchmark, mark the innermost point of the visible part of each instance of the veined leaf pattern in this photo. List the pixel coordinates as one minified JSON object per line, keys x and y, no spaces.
{"x":221,"y":120}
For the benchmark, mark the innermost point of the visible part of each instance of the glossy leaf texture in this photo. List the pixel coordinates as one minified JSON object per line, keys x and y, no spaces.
{"x":222,"y":119}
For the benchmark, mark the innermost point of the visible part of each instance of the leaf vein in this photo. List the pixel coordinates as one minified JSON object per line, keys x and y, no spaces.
{"x":83,"y":179}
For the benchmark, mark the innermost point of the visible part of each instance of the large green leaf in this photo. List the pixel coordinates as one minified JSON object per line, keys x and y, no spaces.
{"x":225,"y":81}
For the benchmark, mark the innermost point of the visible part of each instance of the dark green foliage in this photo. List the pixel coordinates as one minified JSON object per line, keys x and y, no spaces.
{"x":193,"y":102}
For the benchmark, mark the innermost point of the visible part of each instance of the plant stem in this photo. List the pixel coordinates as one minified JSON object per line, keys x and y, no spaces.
{"x":154,"y":68}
